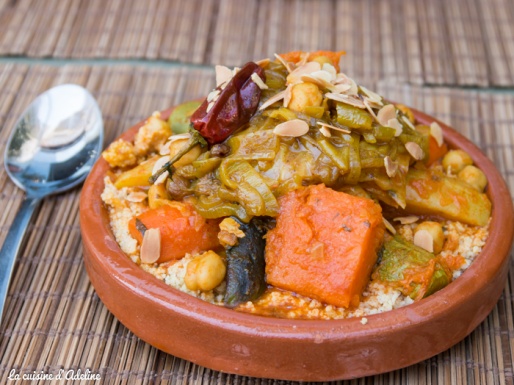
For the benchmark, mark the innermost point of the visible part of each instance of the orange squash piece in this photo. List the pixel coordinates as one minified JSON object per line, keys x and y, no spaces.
{"x":434,"y":151}
{"x":324,"y":245}
{"x":296,"y":56}
{"x":182,"y":229}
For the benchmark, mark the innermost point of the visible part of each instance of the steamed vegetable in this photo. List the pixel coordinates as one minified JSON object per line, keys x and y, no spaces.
{"x":245,"y":264}
{"x":324,"y":244}
{"x":411,"y":269}
{"x":429,"y":192}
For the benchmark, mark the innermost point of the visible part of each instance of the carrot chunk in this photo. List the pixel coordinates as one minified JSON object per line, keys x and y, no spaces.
{"x":182,"y":229}
{"x":324,"y":244}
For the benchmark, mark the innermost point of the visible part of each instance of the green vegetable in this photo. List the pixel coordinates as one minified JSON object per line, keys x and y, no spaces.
{"x":411,"y":269}
{"x":353,"y":117}
{"x":246,"y":265}
{"x":180,"y":116}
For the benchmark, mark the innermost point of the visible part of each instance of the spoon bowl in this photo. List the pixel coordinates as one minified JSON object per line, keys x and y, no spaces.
{"x":51,"y":149}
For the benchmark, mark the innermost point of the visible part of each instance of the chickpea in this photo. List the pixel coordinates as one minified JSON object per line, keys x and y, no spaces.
{"x":407,"y":112}
{"x":436,"y":232}
{"x":456,"y":160}
{"x":305,"y":95}
{"x":205,"y":272}
{"x":474,"y":177}
{"x":188,"y":157}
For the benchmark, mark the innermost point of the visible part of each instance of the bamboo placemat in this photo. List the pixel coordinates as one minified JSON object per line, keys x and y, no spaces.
{"x":458,"y":42}
{"x":53,"y":318}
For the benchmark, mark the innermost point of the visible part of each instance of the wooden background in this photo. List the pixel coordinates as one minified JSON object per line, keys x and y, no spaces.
{"x":453,"y":59}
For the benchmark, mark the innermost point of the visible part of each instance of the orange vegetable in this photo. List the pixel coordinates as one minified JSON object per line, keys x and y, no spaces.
{"x":324,"y":244}
{"x":295,"y":56}
{"x":183,"y":230}
{"x":434,"y":151}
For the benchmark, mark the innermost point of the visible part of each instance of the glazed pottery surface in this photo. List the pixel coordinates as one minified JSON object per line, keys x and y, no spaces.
{"x":244,"y":344}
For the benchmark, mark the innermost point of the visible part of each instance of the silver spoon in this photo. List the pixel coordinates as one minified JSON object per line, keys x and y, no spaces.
{"x":51,"y":149}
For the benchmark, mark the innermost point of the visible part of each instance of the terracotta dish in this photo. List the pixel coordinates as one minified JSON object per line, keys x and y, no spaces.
{"x":249,"y":345}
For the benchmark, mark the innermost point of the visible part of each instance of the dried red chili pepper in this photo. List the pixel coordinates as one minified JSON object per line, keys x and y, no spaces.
{"x":235,"y":105}
{"x":233,"y":108}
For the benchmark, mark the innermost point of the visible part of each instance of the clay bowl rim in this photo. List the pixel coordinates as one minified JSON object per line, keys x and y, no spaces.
{"x":487,"y":265}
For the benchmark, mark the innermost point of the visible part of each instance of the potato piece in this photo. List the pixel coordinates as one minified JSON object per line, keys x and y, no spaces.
{"x":433,"y":193}
{"x":137,"y":176}
{"x":324,"y":244}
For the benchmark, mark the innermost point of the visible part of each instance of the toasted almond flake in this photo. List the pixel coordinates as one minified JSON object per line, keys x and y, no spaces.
{"x":437,"y":133}
{"x":372,"y":104}
{"x":351,"y":100}
{"x":162,"y":178}
{"x":160,"y":162}
{"x":263,"y":63}
{"x":223,"y":75}
{"x":325,"y":131}
{"x":323,"y":75}
{"x":321,"y":82}
{"x":407,"y":121}
{"x":294,"y":127}
{"x":306,"y":69}
{"x":275,"y":98}
{"x":364,"y":320}
{"x":424,"y":239}
{"x":390,"y":166}
{"x":341,"y":78}
{"x":288,"y":94}
{"x":209,"y":106}
{"x":330,"y":68}
{"x":235,"y":71}
{"x":389,"y":226}
{"x":257,"y":80}
{"x":385,"y":114}
{"x":373,"y":96}
{"x":341,"y":88}
{"x":414,"y":149}
{"x":394,"y":123}
{"x":370,"y":110}
{"x":334,"y":127}
{"x":213,"y":95}
{"x":284,"y":63}
{"x":151,"y":246}
{"x":136,"y":196}
{"x":165,"y":149}
{"x":407,"y":220}
{"x":185,"y":135}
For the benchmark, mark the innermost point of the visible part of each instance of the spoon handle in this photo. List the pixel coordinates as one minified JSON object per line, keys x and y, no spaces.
{"x":12,"y":245}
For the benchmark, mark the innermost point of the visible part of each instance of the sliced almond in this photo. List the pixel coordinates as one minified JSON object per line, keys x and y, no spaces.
{"x":162,"y":178}
{"x":331,"y":69}
{"x":151,"y":246}
{"x":209,"y":106}
{"x":437,"y":133}
{"x":235,"y":70}
{"x":424,"y":239}
{"x":372,"y":96}
{"x":390,"y":166}
{"x":325,"y":75}
{"x":160,"y":162}
{"x":385,"y":114}
{"x":389,"y":226}
{"x":347,"y":99}
{"x":136,"y":196}
{"x":257,"y":80}
{"x":185,"y":135}
{"x":304,"y":56}
{"x":275,"y":98}
{"x":213,"y":95}
{"x":341,"y":78}
{"x":407,"y":220}
{"x":407,"y":121}
{"x":288,"y":94}
{"x":415,"y":151}
{"x":341,"y":88}
{"x":295,"y":128}
{"x":394,"y":123}
{"x":223,"y":75}
{"x":334,"y":127}
{"x":284,"y":63}
{"x":306,"y":69}
{"x":325,"y":131}
{"x":370,"y":110}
